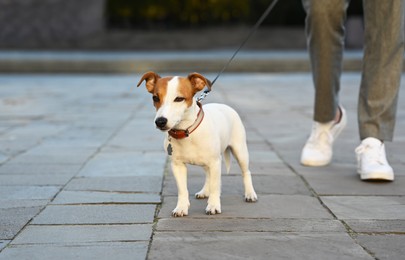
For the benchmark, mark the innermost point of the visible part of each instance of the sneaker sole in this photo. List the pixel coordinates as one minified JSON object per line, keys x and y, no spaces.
{"x":377,"y":176}
{"x":314,"y":163}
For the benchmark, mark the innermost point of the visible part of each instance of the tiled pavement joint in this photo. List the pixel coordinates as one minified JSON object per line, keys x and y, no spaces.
{"x":159,"y":206}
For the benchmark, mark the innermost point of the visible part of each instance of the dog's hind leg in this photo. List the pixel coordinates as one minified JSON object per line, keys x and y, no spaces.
{"x":214,"y":198}
{"x":180,"y":174}
{"x":205,"y":191}
{"x":242,"y":157}
{"x":227,"y":159}
{"x":241,"y":154}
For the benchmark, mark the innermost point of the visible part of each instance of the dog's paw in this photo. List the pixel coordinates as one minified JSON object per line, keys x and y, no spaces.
{"x":201,"y":195}
{"x":213,"y":209}
{"x":179,"y":212}
{"x":251,"y":197}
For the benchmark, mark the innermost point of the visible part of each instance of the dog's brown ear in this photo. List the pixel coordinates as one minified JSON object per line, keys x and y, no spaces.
{"x":150,"y":77}
{"x":198,"y":81}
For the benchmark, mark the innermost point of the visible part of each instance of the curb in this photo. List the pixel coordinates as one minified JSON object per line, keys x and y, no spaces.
{"x":138,"y":62}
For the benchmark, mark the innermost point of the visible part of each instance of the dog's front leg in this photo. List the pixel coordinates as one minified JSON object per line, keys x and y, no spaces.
{"x":214,"y":201}
{"x":180,"y":174}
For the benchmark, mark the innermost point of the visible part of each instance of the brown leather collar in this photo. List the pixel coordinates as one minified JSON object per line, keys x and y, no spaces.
{"x":180,"y":133}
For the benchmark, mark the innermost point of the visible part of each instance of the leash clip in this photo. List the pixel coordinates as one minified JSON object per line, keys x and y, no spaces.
{"x":203,"y":95}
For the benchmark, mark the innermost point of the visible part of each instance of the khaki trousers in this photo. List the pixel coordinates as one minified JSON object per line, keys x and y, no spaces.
{"x":382,"y":61}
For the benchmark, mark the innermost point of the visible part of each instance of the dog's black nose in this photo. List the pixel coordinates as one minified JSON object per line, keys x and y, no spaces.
{"x":161,"y":122}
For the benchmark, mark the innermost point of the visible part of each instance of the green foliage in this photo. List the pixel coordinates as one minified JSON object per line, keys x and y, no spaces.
{"x":175,"y":13}
{"x":166,"y":14}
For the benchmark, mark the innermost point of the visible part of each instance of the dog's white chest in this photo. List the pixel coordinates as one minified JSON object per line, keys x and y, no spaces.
{"x":189,"y":151}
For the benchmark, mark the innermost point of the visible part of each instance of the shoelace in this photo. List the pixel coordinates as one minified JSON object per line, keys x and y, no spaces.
{"x":373,"y":153}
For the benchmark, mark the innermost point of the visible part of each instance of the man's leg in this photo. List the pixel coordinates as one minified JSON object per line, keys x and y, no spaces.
{"x":382,"y":67}
{"x":325,"y":38}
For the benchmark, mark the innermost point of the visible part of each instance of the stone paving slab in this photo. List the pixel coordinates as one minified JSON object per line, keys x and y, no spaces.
{"x":266,"y":169}
{"x":376,"y":225}
{"x":139,"y":135}
{"x":3,"y":158}
{"x":20,"y":138}
{"x":100,"y":251}
{"x":231,"y":184}
{"x":387,"y":246}
{"x":81,"y":139}
{"x":249,"y":225}
{"x":12,"y":220}
{"x":95,"y":214}
{"x":268,"y":206}
{"x":367,"y":207}
{"x":128,"y":164}
{"x":34,"y":179}
{"x":62,"y":157}
{"x":83,"y":234}
{"x":22,"y":203}
{"x":95,"y":197}
{"x":118,"y":184}
{"x":247,"y":245}
{"x":3,"y":244}
{"x":39,"y":169}
{"x":341,"y":179}
{"x":257,"y":169}
{"x":12,"y":147}
{"x":28,"y":192}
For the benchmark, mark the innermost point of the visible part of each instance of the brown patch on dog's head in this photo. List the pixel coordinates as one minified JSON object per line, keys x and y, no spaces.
{"x":186,"y":90}
{"x":159,"y":91}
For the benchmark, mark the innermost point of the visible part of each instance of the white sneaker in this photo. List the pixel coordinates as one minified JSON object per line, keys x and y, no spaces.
{"x":372,"y":163}
{"x":318,"y":148}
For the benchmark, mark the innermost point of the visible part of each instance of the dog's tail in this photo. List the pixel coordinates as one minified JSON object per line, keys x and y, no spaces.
{"x":227,"y":159}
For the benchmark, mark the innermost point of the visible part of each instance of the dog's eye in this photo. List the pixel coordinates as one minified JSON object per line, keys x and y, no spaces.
{"x":156,"y":99}
{"x":179,"y":99}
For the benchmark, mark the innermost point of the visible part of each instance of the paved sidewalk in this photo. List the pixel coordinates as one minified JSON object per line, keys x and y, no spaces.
{"x":83,"y":175}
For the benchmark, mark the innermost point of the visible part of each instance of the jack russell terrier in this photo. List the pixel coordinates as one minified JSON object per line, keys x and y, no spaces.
{"x":198,"y":135}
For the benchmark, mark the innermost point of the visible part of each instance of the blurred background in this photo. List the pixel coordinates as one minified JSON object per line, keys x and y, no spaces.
{"x":157,"y":24}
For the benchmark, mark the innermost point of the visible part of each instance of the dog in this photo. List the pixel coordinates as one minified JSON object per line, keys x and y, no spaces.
{"x":198,"y":135}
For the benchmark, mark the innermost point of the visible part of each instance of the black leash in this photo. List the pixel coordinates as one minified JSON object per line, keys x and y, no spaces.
{"x":252,"y":31}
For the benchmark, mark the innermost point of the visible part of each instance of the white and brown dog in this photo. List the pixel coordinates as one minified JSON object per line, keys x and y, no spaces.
{"x":198,"y":135}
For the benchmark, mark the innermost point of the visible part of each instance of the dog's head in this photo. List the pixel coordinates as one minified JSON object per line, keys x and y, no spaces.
{"x":172,"y":96}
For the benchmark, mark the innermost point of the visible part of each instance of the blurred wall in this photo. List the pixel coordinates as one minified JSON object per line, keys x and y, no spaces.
{"x":44,"y":23}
